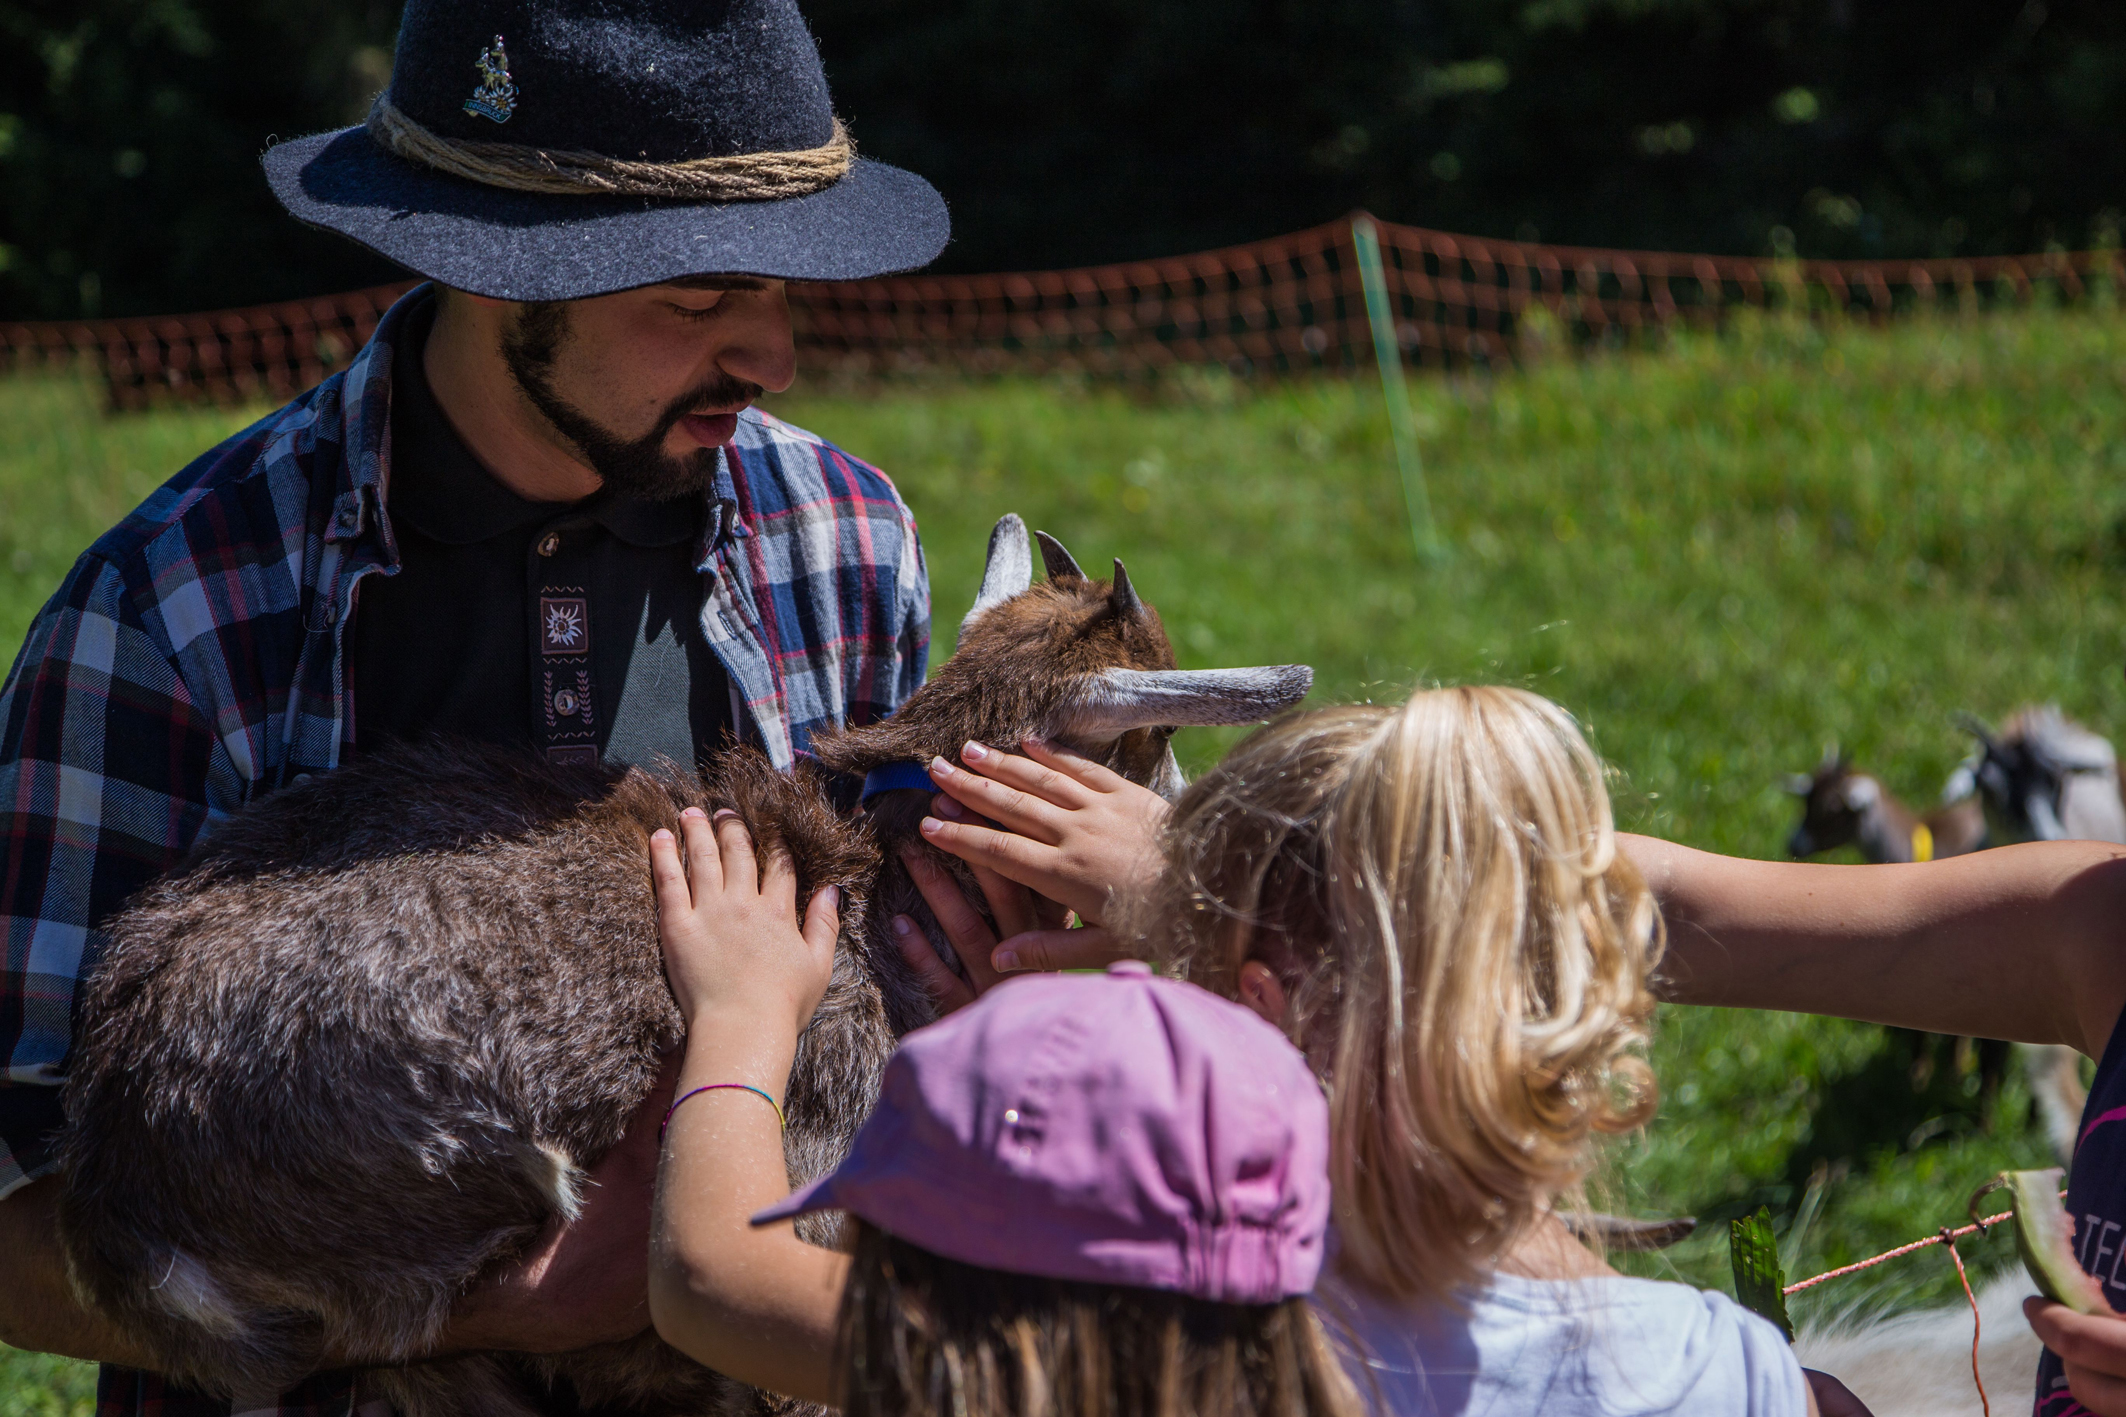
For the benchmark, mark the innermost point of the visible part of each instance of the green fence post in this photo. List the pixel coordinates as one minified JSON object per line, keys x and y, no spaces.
{"x":1388,"y":355}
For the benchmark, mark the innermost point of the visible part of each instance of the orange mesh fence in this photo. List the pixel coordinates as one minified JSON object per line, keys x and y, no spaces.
{"x":265,"y":353}
{"x":1288,"y":305}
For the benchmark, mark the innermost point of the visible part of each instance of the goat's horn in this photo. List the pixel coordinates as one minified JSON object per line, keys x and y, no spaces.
{"x":1126,"y":604}
{"x":1056,"y":560}
{"x":1009,"y":569}
{"x":1115,"y":701}
{"x":1972,"y":724}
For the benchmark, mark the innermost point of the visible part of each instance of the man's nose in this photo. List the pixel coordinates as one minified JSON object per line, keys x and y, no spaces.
{"x":762,"y":349}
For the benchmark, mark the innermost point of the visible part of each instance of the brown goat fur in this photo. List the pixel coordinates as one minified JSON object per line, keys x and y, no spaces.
{"x":431,"y":992}
{"x":355,"y":1056}
{"x":1013,"y":673}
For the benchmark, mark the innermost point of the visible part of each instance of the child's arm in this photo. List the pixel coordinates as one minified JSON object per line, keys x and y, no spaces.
{"x":2024,"y":942}
{"x":758,"y":1305}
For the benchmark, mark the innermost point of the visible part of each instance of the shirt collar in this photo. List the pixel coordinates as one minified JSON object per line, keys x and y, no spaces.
{"x":640,"y":523}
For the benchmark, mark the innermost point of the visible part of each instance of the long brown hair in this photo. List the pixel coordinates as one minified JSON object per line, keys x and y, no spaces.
{"x":925,"y":1336}
{"x":1465,"y":955}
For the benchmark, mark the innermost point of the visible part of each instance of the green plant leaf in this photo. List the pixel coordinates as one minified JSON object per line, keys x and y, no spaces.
{"x":1759,"y":1281}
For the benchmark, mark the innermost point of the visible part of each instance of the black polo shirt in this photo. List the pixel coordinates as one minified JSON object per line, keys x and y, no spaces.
{"x":572,"y":629}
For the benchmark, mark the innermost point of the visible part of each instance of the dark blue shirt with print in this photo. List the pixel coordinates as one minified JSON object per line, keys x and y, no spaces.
{"x":2096,"y":1198}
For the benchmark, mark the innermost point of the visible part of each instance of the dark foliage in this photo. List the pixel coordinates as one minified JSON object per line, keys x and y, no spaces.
{"x":129,"y":139}
{"x":1103,"y":130}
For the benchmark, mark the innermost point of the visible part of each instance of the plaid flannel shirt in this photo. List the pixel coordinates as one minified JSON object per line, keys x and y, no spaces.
{"x":194,"y":659}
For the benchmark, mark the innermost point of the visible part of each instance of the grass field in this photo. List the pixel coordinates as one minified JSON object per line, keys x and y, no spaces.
{"x":1720,"y":556}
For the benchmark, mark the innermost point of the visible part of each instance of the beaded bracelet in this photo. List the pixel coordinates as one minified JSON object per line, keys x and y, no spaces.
{"x":781,"y":1120}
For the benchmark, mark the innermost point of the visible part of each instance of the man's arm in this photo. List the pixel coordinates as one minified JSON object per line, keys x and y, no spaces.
{"x":104,"y":761}
{"x":912,"y":640}
{"x":37,"y":1308}
{"x":2024,"y":942}
{"x":585,"y":1283}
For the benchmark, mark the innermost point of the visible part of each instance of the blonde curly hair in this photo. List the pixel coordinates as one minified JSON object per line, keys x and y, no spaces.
{"x":1438,"y":890}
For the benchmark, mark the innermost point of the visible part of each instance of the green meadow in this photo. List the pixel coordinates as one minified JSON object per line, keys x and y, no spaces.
{"x":1721,"y":554}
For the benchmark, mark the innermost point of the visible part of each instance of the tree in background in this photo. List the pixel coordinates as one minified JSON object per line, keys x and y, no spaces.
{"x":1109,"y":129}
{"x":1100,"y":130}
{"x":130,"y":132}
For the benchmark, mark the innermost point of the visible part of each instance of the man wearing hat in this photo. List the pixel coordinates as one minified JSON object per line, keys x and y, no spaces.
{"x":538,"y":508}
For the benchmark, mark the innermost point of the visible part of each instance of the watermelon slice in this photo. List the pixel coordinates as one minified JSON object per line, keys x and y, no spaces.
{"x":2044,"y":1236}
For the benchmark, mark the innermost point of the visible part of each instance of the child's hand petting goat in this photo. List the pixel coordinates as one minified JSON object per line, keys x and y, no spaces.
{"x":1058,"y":824}
{"x":759,"y":1305}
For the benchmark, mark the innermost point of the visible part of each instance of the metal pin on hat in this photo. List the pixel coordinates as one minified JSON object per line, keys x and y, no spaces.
{"x":496,"y":97}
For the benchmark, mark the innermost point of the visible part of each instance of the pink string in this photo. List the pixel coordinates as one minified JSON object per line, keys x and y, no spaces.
{"x":1946,"y":1237}
{"x":1985,"y":1407}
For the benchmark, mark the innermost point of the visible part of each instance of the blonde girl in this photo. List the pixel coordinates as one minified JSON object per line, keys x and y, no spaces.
{"x":1085,"y":1196}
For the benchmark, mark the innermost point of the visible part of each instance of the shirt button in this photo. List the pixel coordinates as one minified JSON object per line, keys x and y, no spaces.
{"x":550,"y":543}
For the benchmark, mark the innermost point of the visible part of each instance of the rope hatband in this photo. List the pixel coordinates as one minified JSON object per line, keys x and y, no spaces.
{"x":741,"y":177}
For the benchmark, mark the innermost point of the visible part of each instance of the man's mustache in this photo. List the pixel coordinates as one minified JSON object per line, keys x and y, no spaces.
{"x":722,"y":393}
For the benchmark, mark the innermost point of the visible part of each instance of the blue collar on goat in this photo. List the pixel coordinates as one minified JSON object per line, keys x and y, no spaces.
{"x":893,"y":777}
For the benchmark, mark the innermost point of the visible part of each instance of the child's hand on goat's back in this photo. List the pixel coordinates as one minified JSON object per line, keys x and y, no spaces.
{"x":732,"y":944}
{"x":1073,"y":831}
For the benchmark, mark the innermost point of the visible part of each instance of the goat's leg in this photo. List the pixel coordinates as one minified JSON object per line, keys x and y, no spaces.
{"x":1992,"y":1068}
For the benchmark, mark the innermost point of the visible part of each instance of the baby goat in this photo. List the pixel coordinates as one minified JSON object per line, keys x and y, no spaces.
{"x":360,"y":1052}
{"x":1840,"y":807}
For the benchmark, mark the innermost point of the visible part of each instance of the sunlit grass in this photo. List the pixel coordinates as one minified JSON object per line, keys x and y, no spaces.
{"x":37,"y":1385}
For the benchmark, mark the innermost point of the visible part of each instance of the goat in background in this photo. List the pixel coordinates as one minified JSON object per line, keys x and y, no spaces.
{"x":2044,"y":777}
{"x":1842,"y":806}
{"x":359,"y":1053}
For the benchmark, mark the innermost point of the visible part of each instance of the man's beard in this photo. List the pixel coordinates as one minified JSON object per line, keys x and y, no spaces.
{"x":631,"y":467}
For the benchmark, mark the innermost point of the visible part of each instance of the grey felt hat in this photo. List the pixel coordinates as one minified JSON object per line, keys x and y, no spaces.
{"x":557,"y":149}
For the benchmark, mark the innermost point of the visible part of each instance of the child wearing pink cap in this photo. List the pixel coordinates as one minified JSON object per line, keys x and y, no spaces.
{"x":1084,"y":1196}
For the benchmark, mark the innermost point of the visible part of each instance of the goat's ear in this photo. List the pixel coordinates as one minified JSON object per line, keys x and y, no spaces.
{"x":1009,"y":569}
{"x":1961,"y":784}
{"x":1113,"y":702}
{"x":1799,"y":784}
{"x":1972,"y":724}
{"x":1126,"y":604}
{"x":1057,"y":561}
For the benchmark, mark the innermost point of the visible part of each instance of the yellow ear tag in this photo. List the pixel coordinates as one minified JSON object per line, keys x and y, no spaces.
{"x":1922,"y":843}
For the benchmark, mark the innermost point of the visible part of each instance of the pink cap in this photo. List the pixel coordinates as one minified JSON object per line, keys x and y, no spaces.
{"x":1117,"y":1128}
